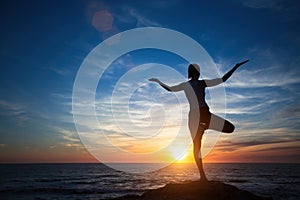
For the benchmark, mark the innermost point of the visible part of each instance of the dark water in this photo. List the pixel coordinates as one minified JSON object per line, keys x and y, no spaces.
{"x":96,"y":181}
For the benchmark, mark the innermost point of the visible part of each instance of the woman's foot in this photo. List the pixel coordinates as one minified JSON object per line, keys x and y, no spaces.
{"x":203,"y":180}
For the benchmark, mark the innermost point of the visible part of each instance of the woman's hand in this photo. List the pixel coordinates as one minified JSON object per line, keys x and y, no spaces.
{"x":154,"y":80}
{"x":228,"y":74}
{"x":241,"y":63}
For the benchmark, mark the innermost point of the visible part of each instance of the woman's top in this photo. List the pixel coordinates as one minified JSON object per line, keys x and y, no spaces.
{"x":195,"y":91}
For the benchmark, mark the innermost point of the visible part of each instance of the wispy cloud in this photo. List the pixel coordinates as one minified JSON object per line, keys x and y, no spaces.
{"x":130,"y":13}
{"x":270,"y":4}
{"x":10,"y":108}
{"x":60,"y":71}
{"x":260,"y":90}
{"x":255,"y":139}
{"x":290,"y":9}
{"x":17,"y":111}
{"x":290,"y":111}
{"x":141,"y":20}
{"x":230,"y":145}
{"x":69,"y":138}
{"x":62,"y":98}
{"x":263,"y":78}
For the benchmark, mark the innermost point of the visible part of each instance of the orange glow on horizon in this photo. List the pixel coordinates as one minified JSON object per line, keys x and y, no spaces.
{"x":276,"y":152}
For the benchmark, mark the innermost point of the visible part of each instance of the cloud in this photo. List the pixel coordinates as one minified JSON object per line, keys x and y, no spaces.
{"x":11,"y":108}
{"x":263,"y":89}
{"x":165,"y":3}
{"x":254,"y":101}
{"x":125,"y":62}
{"x":60,"y":71}
{"x":289,"y":9}
{"x":60,"y":96}
{"x":262,"y":78}
{"x":254,"y":109}
{"x":257,"y":143}
{"x":263,"y":94}
{"x":130,"y":13}
{"x":141,"y":20}
{"x":267,"y":68}
{"x":15,"y":110}
{"x":226,"y":143}
{"x":141,"y":110}
{"x":269,"y":4}
{"x":69,"y":138}
{"x":290,"y":111}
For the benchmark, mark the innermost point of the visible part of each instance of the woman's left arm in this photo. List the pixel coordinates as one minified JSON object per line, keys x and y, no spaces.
{"x":228,"y":74}
{"x":217,"y":81}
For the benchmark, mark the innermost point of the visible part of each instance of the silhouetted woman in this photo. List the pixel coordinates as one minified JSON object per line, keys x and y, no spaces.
{"x":200,"y":118}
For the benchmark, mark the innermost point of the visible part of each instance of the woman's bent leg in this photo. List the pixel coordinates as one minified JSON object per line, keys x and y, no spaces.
{"x":219,"y":124}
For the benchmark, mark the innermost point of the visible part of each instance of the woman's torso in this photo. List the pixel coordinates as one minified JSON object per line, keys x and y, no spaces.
{"x":195,"y":93}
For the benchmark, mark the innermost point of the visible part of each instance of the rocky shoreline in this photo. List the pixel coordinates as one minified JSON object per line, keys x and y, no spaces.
{"x":195,"y":190}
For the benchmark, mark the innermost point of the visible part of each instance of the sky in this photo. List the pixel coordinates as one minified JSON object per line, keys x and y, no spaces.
{"x":44,"y":44}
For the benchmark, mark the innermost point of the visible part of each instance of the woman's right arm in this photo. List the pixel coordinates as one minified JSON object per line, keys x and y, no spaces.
{"x":174,"y":88}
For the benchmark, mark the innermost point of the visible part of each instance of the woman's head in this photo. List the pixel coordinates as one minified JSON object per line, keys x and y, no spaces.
{"x":193,"y":71}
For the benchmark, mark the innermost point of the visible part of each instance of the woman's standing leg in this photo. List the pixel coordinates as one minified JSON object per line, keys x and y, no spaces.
{"x":197,"y":153}
{"x":197,"y":129}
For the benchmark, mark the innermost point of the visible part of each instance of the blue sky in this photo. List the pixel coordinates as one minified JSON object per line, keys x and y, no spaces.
{"x":44,"y":43}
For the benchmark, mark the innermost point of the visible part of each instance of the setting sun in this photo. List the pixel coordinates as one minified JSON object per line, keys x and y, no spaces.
{"x":181,"y":155}
{"x":178,"y":153}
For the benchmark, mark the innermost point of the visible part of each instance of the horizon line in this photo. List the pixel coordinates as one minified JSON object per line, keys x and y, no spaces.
{"x":4,"y":163}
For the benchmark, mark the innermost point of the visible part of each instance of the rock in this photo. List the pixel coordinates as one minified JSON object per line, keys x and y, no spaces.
{"x":195,"y":190}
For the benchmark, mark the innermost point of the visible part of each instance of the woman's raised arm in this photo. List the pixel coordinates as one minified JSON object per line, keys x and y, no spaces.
{"x":217,"y":81}
{"x":174,"y":88}
{"x":228,"y":74}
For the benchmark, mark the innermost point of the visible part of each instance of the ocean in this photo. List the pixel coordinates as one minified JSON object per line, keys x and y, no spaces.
{"x":97,"y":181}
